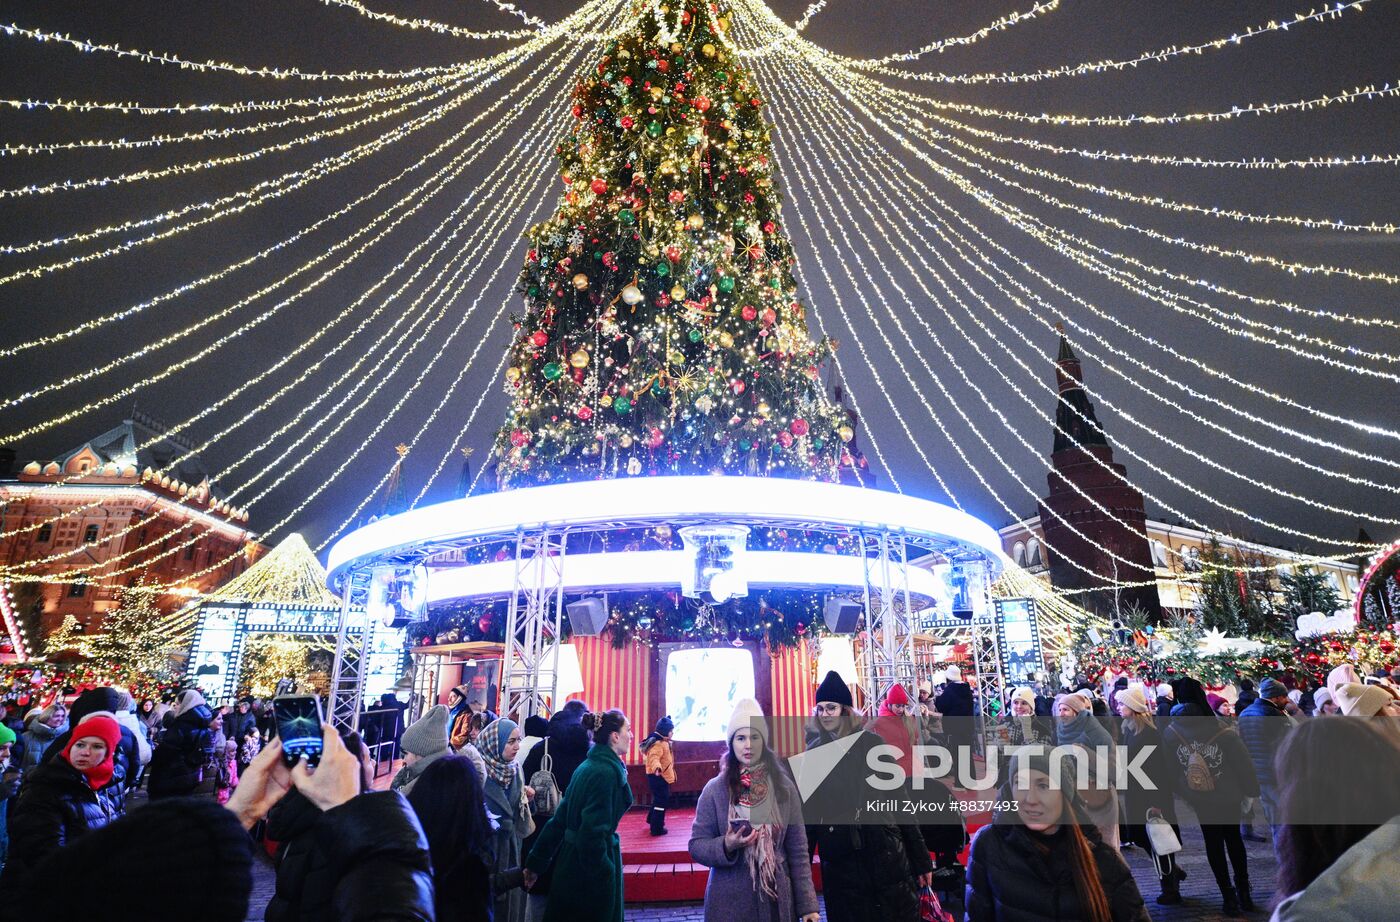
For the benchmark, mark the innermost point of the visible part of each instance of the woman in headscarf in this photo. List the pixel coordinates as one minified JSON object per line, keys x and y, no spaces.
{"x":1075,"y":725}
{"x":748,"y":831}
{"x":504,"y":790}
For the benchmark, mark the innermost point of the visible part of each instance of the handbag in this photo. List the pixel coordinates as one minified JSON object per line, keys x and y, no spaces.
{"x":546,"y":799}
{"x":930,"y":909}
{"x":1161,"y":835}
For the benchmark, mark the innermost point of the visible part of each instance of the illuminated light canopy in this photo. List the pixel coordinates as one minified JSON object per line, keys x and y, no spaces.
{"x":640,"y":571}
{"x":598,"y":505}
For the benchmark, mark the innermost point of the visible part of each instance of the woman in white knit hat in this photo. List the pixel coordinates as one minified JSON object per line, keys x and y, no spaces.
{"x":1139,"y":801}
{"x":748,"y":831}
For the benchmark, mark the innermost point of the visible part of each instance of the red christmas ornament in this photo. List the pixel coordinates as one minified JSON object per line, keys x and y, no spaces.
{"x":520,"y":438}
{"x":655,"y":437}
{"x":748,"y":312}
{"x":702,"y":103}
{"x":598,"y":186}
{"x":785,"y":439}
{"x":585,"y":412}
{"x":539,"y":338}
{"x":770,"y":316}
{"x":798,"y":426}
{"x":673,"y":253}
{"x":737,"y":387}
{"x":627,"y":121}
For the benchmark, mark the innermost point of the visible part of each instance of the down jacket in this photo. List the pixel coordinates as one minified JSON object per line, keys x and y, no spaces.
{"x":1263,"y":726}
{"x":377,"y":860}
{"x":177,"y":767}
{"x":304,"y":886}
{"x":1014,"y":875}
{"x":55,"y":806}
{"x":868,"y":869}
{"x":126,"y":761}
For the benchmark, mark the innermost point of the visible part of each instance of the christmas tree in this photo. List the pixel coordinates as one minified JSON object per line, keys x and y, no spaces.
{"x":133,"y":647}
{"x":662,"y":331}
{"x":67,"y":637}
{"x":1308,"y":590}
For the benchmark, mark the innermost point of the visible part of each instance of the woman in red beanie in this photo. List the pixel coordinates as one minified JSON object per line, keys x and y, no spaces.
{"x":65,"y":797}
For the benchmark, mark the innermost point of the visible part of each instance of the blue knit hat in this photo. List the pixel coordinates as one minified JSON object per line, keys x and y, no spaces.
{"x":1272,"y":688}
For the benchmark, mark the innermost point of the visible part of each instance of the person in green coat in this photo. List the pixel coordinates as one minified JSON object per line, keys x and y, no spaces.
{"x":580,"y":841}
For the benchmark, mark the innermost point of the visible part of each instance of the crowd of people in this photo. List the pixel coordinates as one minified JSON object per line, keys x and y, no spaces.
{"x":490,"y":819}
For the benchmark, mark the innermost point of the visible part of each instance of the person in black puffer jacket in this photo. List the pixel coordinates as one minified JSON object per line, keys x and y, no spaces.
{"x":305,"y":883}
{"x":870,"y":870}
{"x":126,"y":760}
{"x":186,"y":747}
{"x":568,"y":746}
{"x":63,"y":799}
{"x":1044,"y":861}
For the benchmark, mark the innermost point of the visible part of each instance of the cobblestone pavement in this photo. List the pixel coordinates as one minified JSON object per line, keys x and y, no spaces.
{"x":1201,"y":898}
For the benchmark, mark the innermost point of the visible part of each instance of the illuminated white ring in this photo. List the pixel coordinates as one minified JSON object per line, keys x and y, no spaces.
{"x":601,"y":505}
{"x":638,"y":571}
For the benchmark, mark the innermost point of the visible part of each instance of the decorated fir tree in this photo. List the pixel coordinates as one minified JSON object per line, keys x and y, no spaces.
{"x":68,"y":637}
{"x":1307,"y":590}
{"x":134,"y":646}
{"x":662,"y":332}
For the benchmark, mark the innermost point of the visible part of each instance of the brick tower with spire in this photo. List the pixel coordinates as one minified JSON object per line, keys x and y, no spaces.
{"x":1082,"y":458}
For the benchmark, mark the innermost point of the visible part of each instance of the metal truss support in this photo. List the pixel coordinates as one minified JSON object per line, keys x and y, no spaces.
{"x":889,"y":648}
{"x":531,"y":668}
{"x":988,"y":682}
{"x":352,"y":638}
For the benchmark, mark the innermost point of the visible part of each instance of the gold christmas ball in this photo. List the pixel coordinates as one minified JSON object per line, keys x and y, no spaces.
{"x":722,"y":24}
{"x":708,"y":50}
{"x":631,"y":294}
{"x":625,"y":441}
{"x":579,"y":359}
{"x":677,"y":48}
{"x":678,"y":293}
{"x":657,"y":92}
{"x":695,"y":222}
{"x":580,"y":281}
{"x":763,"y":408}
{"x":726,"y":340}
{"x":513,"y":374}
{"x":677,"y":358}
{"x":605,"y":401}
{"x":846,"y":433}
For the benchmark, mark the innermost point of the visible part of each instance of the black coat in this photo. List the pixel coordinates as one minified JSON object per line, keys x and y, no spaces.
{"x":463,"y":891}
{"x":1013,"y":877}
{"x":237,"y":726}
{"x":955,"y":700}
{"x":568,"y":747}
{"x":868,"y":869}
{"x":177,"y":766}
{"x":55,"y":806}
{"x":1228,"y":760}
{"x":304,"y":886}
{"x":377,"y":857}
{"x":126,"y":761}
{"x":1160,"y":768}
{"x":1263,"y":727}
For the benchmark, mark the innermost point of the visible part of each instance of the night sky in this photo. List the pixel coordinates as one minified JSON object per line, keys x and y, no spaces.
{"x":1308,"y":61}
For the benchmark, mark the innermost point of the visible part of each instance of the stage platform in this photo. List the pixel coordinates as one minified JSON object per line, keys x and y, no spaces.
{"x":658,"y":869}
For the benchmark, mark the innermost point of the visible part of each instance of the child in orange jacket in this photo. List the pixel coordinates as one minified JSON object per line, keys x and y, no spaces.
{"x":661,"y":772}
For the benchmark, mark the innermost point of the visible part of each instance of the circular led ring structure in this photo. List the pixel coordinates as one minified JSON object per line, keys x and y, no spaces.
{"x":604,"y":505}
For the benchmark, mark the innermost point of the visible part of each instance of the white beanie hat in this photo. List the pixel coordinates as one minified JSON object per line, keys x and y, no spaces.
{"x":747,"y":713}
{"x":1343,"y":674}
{"x":1024,"y":693}
{"x":1357,"y":700}
{"x":1320,"y":697}
{"x":952,"y":674}
{"x":1134,"y":698}
{"x":1165,"y":691}
{"x":1296,"y":696}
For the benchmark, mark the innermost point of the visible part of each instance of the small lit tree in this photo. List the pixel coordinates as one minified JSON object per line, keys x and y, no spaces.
{"x":68,"y":637}
{"x":1307,"y":590}
{"x":134,"y":645}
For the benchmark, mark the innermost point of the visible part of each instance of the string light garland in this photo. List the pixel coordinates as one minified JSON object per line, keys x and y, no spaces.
{"x":899,"y":252}
{"x":1321,"y":14}
{"x":69,"y":576}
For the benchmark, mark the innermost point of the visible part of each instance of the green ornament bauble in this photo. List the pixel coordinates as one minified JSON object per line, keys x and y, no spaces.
{"x":533,"y":291}
{"x":654,"y":129}
{"x":663,"y":269}
{"x":745,"y":444}
{"x":626,"y":216}
{"x":622,"y":406}
{"x":552,"y":371}
{"x":775,"y":282}
{"x":817,"y":444}
{"x":726,"y":283}
{"x":695,"y":336}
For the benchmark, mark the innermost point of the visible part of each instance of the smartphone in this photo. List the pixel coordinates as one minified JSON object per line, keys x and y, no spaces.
{"x":299,"y":722}
{"x":742,"y":827}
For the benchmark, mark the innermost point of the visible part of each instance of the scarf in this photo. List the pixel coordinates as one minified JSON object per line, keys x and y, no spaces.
{"x":492,"y":745}
{"x":762,"y":855}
